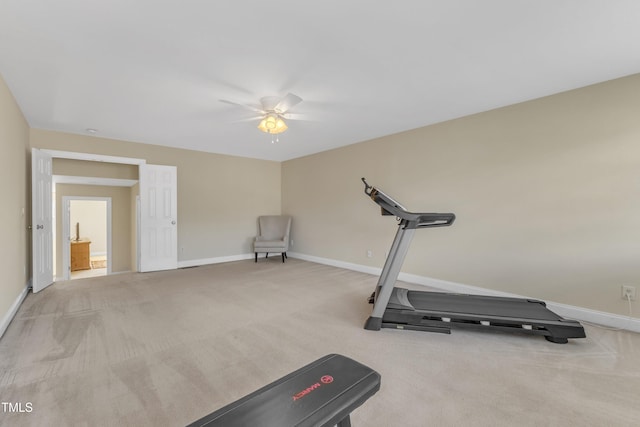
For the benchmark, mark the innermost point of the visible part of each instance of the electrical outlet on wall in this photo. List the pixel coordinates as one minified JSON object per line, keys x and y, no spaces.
{"x":369,"y":253}
{"x":629,"y":292}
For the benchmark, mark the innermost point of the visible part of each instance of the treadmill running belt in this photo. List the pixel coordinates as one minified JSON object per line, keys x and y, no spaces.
{"x":479,"y":305}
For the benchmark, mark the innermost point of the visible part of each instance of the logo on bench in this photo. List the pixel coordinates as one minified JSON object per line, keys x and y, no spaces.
{"x":326,"y":379}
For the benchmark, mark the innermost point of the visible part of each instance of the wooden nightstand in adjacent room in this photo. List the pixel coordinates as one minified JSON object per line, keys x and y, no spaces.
{"x":80,"y":255}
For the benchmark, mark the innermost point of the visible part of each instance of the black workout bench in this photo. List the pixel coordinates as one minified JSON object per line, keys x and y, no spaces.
{"x":321,"y":394}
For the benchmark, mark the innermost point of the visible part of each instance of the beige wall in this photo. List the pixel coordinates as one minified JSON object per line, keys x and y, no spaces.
{"x":219,"y":196}
{"x":14,"y":213}
{"x":91,"y":218}
{"x":546,"y":194}
{"x":94,"y":169}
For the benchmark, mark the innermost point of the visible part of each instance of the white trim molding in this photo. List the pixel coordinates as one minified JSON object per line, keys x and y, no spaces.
{"x":569,"y":311}
{"x":217,"y":260}
{"x":8,"y":317}
{"x":58,"y":279}
{"x":57,"y":154}
{"x":335,"y":263}
{"x":93,"y":180}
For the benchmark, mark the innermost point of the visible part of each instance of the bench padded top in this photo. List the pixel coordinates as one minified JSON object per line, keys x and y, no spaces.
{"x":320,"y":394}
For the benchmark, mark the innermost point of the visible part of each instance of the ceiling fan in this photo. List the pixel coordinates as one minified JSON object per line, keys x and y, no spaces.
{"x":273,"y":112}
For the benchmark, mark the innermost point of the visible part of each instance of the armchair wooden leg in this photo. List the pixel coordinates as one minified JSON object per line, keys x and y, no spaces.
{"x":267,"y":256}
{"x":256,"y":256}
{"x":283,"y":256}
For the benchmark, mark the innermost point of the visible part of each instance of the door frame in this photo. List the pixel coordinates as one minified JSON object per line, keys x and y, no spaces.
{"x":66,"y":232}
{"x":57,"y":154}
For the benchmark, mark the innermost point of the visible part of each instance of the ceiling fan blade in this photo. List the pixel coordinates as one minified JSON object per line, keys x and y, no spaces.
{"x":250,"y":119}
{"x":294,"y":116}
{"x":247,"y":106}
{"x":287,"y":102}
{"x":269,"y":103}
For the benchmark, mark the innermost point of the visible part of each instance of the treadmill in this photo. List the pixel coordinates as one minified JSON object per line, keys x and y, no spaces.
{"x":400,"y":308}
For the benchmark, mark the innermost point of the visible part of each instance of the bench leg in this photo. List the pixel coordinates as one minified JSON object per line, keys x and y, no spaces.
{"x":346,"y":422}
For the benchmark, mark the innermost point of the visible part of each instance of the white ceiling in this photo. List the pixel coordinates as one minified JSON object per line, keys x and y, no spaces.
{"x":154,"y":71}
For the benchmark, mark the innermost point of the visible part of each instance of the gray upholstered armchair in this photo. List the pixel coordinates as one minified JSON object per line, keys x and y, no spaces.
{"x":273,"y":235}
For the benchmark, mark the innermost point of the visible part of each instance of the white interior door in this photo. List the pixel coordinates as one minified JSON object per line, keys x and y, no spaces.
{"x":41,"y":220}
{"x":158,"y":218}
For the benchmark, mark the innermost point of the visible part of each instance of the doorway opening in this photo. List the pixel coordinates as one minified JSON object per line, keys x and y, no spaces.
{"x":155,"y":179}
{"x":87,"y":235}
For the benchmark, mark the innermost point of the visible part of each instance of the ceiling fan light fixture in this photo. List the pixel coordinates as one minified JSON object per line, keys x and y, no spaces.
{"x":272,"y":124}
{"x":281,"y":126}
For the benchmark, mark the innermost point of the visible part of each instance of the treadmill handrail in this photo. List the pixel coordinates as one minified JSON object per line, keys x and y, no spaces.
{"x":415,"y":219}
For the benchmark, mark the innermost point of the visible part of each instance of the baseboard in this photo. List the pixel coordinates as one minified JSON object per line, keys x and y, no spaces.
{"x":587,"y":315}
{"x":6,"y":320}
{"x":568,"y":311}
{"x":119,"y":272}
{"x":217,"y":260}
{"x":335,"y":263}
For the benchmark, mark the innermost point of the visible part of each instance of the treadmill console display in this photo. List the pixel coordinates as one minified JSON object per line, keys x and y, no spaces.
{"x":408,"y":219}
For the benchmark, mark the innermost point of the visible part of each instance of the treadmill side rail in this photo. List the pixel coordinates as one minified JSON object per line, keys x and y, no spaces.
{"x":437,"y":310}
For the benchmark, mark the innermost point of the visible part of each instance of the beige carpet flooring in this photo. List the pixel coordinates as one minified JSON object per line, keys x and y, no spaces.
{"x":166,"y":348}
